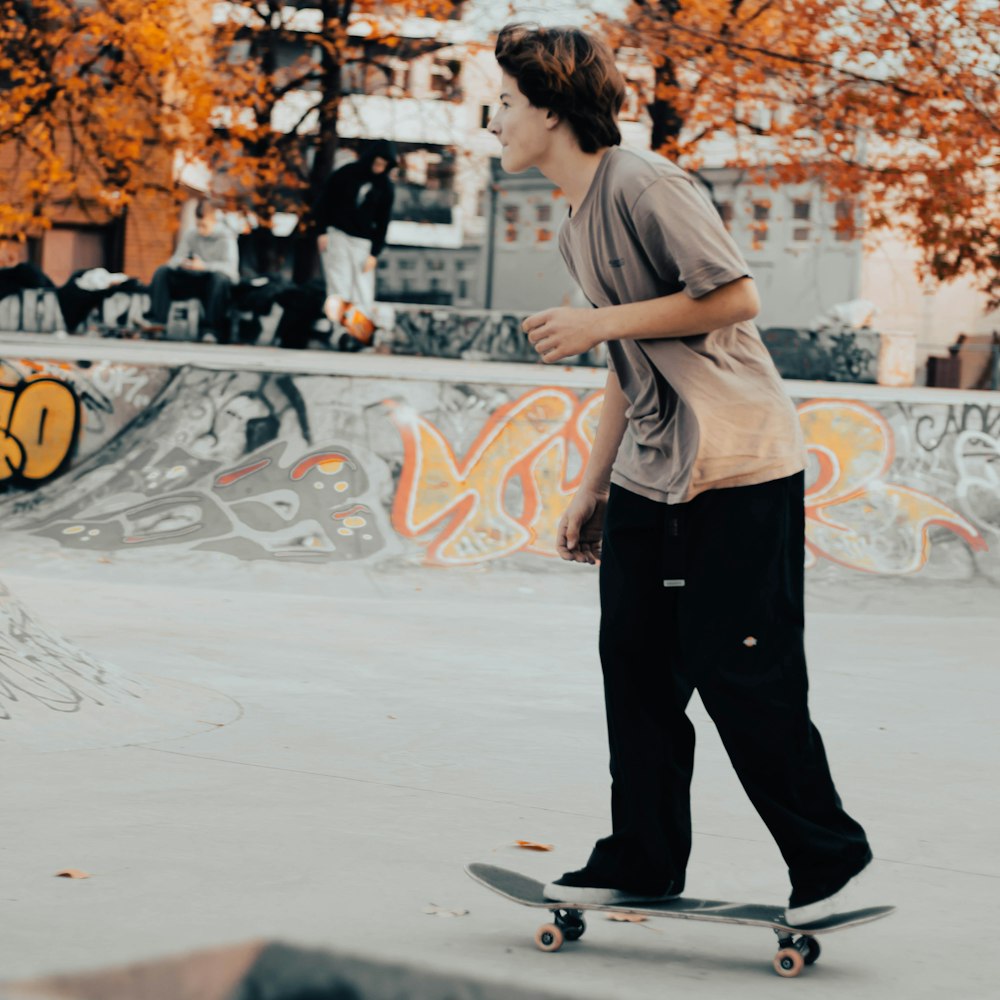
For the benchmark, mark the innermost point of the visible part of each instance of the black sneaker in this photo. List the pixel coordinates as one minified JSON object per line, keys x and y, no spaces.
{"x":586,"y":886}
{"x":824,"y":899}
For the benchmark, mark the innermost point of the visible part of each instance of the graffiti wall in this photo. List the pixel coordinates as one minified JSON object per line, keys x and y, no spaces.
{"x":333,"y":468}
{"x":471,"y":334}
{"x":55,"y":413}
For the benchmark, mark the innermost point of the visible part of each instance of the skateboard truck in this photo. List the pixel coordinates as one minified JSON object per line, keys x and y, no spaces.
{"x":794,"y":953}
{"x":567,"y":925}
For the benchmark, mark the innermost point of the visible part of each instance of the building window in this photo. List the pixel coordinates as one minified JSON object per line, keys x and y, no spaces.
{"x":844,"y":228}
{"x":761,"y":218}
{"x":726,"y":213}
{"x":485,"y":114}
{"x":463,"y":288}
{"x":801,"y":209}
{"x":445,"y":76}
{"x":407,"y":264}
{"x":435,"y":264}
{"x":512,"y":215}
{"x":543,"y":213}
{"x":633,"y":104}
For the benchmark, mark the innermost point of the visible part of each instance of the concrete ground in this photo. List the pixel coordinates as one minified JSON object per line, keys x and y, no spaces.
{"x":320,"y":749}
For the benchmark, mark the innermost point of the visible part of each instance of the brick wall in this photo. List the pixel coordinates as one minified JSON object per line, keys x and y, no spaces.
{"x":150,"y":234}
{"x":151,"y":220}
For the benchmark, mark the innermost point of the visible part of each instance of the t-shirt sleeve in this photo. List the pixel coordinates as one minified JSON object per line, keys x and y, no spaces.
{"x":684,"y":238}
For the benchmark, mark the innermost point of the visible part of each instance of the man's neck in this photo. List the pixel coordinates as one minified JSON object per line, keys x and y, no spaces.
{"x":573,"y":173}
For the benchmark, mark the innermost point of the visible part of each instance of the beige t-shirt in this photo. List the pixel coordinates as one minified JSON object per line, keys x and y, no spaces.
{"x":705,"y":411}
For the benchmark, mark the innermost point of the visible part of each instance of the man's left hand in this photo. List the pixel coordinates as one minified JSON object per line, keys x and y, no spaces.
{"x":563,"y":332}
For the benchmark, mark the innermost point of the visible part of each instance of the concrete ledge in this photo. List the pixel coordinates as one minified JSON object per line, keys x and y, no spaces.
{"x":408,"y":368}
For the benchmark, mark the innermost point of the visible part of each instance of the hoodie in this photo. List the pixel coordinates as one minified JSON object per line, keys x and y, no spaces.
{"x":358,"y":202}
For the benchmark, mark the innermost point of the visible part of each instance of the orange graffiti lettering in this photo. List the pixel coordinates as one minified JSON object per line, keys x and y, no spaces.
{"x":853,"y":516}
{"x":476,"y":504}
{"x":517,"y":477}
{"x":39,"y":422}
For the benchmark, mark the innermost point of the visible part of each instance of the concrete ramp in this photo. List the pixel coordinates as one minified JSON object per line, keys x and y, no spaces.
{"x":55,"y":696}
{"x":259,"y":457}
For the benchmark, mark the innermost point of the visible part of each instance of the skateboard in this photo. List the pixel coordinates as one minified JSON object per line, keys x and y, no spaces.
{"x":797,"y":946}
{"x":358,"y":324}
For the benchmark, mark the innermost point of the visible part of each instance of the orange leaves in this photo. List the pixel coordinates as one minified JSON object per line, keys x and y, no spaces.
{"x":531,"y":845}
{"x":91,"y":90}
{"x":856,"y":96}
{"x":99,"y":89}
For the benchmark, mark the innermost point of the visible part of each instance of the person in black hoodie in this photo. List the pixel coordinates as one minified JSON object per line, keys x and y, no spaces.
{"x":352,"y":216}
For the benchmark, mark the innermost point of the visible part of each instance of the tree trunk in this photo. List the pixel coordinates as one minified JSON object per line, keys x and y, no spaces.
{"x":324,"y":148}
{"x":667,"y":123}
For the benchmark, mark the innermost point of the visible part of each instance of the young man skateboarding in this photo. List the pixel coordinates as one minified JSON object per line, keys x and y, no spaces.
{"x":692,"y":498}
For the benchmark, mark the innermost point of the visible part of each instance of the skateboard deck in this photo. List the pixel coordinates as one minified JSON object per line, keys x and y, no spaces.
{"x":797,"y":946}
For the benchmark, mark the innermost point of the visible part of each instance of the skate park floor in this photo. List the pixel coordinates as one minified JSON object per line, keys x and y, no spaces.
{"x":336,"y":743}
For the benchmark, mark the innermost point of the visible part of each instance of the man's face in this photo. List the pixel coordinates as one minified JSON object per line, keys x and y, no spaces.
{"x":380,"y":165}
{"x":521,"y":128}
{"x":206,"y":223}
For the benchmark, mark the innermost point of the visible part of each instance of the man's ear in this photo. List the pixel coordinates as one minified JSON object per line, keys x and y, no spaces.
{"x":552,"y":119}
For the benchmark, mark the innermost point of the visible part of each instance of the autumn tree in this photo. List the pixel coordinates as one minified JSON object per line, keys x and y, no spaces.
{"x":279,"y":82}
{"x":102,"y":99}
{"x":94,"y":95}
{"x":891,"y":102}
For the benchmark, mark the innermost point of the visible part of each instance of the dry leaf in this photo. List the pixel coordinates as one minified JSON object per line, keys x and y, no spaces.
{"x":530,"y":845}
{"x":433,"y":910}
{"x":628,"y":918}
{"x":72,"y":873}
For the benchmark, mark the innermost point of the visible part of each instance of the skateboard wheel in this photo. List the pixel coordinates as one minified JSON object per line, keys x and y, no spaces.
{"x":571,"y":923}
{"x":549,"y":937}
{"x":810,"y":949}
{"x":789,"y":962}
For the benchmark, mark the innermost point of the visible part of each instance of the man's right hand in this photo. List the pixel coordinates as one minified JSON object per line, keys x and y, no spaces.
{"x":578,"y":537}
{"x":321,"y":242}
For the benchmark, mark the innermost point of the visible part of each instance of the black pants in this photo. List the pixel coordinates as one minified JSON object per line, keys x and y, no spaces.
{"x":734,"y":631}
{"x":213,"y":289}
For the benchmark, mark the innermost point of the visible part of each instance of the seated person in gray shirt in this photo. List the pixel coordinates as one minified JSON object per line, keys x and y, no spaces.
{"x":205,"y":266}
{"x":691,"y":498}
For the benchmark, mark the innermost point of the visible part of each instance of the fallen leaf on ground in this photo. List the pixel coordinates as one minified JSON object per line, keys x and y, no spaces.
{"x":442,"y":911}
{"x":628,"y":918}
{"x":531,"y":845}
{"x":72,"y":873}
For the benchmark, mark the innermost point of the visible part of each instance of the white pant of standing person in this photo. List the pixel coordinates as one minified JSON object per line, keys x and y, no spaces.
{"x":349,"y":272}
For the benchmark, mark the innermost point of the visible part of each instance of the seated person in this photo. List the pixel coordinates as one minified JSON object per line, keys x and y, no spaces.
{"x":205,"y":266}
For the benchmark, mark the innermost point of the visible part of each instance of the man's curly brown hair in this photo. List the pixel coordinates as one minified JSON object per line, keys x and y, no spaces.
{"x":569,"y":72}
